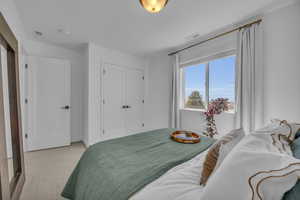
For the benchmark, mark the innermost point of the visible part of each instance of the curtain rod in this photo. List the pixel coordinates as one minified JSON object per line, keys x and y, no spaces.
{"x":214,"y":37}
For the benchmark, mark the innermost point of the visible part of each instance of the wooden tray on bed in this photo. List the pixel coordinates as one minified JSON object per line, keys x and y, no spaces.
{"x":178,"y":137}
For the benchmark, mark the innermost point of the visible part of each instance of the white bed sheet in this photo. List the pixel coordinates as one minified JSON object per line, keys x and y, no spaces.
{"x":180,"y":183}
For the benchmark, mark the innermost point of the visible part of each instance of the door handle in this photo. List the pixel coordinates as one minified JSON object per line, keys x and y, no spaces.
{"x":124,"y":106}
{"x":66,"y":107}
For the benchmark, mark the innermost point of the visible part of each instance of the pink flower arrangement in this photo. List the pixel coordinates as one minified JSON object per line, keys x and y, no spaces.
{"x":217,"y":106}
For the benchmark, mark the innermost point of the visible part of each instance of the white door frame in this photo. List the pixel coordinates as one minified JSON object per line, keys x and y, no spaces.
{"x":24,"y":95}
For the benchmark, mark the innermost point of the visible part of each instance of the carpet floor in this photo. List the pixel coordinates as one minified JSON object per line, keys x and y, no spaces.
{"x":47,"y":171}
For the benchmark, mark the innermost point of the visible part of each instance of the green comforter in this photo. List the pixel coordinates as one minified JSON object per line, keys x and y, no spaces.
{"x":116,"y":169}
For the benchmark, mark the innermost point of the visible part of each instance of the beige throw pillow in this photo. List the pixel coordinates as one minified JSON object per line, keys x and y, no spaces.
{"x":218,"y":152}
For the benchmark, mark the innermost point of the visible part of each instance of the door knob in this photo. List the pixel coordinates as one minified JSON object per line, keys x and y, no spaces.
{"x":128,"y":106}
{"x":65,"y":107}
{"x":124,"y":107}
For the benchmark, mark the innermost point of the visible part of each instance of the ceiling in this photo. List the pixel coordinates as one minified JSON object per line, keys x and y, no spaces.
{"x":125,"y":26}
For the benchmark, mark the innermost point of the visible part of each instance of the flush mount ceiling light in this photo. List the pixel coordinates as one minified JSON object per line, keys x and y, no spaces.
{"x":153,"y":6}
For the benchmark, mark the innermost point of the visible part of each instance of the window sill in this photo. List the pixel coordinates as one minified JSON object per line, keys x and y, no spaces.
{"x":192,"y":110}
{"x":203,"y":111}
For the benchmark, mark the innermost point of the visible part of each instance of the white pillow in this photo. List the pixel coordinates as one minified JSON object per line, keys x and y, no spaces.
{"x":254,"y":170}
{"x":282,"y":127}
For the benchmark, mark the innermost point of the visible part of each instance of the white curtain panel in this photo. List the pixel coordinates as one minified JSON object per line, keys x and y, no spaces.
{"x":249,"y":79}
{"x":175,"y":114}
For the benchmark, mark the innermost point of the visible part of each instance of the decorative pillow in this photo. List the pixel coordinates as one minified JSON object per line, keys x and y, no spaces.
{"x":294,"y":193}
{"x":282,"y":134}
{"x":255,"y":170}
{"x":218,"y":152}
{"x":285,"y":128}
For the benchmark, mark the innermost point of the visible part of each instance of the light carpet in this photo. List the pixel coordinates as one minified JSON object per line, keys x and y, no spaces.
{"x":47,"y":171}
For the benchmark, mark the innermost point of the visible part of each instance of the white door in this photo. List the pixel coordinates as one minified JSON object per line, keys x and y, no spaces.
{"x":48,"y":103}
{"x":134,"y":101}
{"x":113,"y":97}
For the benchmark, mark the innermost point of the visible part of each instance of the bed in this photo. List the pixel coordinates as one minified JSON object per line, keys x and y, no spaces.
{"x":149,"y":166}
{"x":180,"y":182}
{"x":117,"y":169}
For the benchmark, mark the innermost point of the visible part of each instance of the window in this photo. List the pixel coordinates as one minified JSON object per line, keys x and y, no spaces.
{"x":209,"y":80}
{"x":194,"y":77}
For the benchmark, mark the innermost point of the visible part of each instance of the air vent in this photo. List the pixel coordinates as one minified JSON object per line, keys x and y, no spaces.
{"x":38,"y":33}
{"x":192,"y":37}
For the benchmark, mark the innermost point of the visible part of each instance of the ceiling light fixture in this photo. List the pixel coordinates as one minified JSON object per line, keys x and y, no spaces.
{"x":153,"y":6}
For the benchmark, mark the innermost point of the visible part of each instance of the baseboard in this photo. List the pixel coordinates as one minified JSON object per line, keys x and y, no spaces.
{"x":85,"y":144}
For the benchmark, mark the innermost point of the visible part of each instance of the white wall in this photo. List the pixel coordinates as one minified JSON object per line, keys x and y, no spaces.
{"x":282,"y":63}
{"x":9,"y":11}
{"x":281,"y":76}
{"x":158,"y":96}
{"x":76,"y":57}
{"x":159,"y":99}
{"x":195,"y":120}
{"x":282,"y":83}
{"x":96,"y":56}
{"x":158,"y":105}
{"x":86,"y":96}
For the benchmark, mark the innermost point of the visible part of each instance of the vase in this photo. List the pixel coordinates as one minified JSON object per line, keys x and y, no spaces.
{"x":211,"y":129}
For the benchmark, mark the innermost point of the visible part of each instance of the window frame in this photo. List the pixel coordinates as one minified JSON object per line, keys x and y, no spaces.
{"x":202,"y":60}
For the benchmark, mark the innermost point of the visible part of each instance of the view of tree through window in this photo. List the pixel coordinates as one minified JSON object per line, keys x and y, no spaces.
{"x":220,"y":82}
{"x":195,"y":86}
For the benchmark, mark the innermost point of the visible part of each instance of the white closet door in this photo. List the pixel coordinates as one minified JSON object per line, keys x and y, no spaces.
{"x":134,"y":100}
{"x":113,"y":96}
